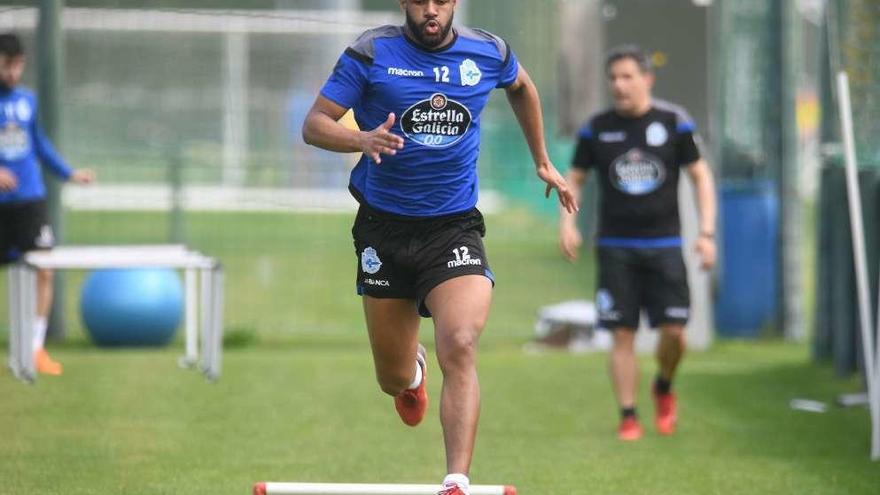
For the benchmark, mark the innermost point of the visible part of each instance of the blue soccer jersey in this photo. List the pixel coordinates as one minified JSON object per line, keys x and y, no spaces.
{"x":23,"y":146}
{"x":437,"y":97}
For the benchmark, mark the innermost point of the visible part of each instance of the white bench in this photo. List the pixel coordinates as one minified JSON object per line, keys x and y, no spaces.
{"x":207,"y":295}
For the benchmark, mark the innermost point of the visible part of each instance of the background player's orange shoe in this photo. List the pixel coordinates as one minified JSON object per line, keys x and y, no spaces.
{"x":45,"y":364}
{"x":665,"y":413}
{"x":411,"y":404}
{"x":629,"y":429}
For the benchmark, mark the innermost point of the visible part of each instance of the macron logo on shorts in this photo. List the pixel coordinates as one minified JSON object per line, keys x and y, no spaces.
{"x":677,"y":312}
{"x":463,"y":258}
{"x":467,"y":262}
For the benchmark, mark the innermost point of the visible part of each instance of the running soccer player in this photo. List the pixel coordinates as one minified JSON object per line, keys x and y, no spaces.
{"x":419,"y":90}
{"x":24,"y":221}
{"x":638,"y":148}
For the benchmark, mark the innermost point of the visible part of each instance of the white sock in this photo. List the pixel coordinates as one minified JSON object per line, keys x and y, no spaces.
{"x":40,"y":325}
{"x":457,"y":479}
{"x":417,"y":380}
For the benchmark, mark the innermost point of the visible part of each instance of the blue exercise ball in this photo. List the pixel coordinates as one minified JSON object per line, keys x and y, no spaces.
{"x":132,"y":307}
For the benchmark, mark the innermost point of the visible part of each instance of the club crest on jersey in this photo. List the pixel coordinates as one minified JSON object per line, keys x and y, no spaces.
{"x":14,"y":142}
{"x":656,"y":134}
{"x":370,"y":261}
{"x":436,"y":122}
{"x":636,"y":172}
{"x":470,"y":73}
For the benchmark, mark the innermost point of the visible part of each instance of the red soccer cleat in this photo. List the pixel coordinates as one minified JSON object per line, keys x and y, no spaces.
{"x":452,"y":490}
{"x":665,"y":413}
{"x":630,"y":430}
{"x":411,"y":404}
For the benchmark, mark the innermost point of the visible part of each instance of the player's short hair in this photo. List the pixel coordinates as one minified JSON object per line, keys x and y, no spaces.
{"x":10,"y":45}
{"x":633,"y":52}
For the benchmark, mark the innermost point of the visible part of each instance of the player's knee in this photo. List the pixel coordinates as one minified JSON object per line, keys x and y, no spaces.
{"x":674,"y":332}
{"x":458,"y":347}
{"x":394,"y":382}
{"x":624,"y":339}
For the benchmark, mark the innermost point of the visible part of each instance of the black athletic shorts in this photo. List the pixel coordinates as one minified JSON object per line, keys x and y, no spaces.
{"x":24,"y":227}
{"x":405,"y":257}
{"x":632,"y":279}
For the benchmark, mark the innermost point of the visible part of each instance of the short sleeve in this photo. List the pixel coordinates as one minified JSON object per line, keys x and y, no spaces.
{"x":349,"y":79}
{"x":583,"y":153}
{"x":509,"y":69}
{"x":687,"y":148}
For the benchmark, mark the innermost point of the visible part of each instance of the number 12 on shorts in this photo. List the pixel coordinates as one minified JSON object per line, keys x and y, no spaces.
{"x":461,"y":254}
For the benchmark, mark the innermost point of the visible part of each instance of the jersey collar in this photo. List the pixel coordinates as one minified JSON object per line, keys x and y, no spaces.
{"x":431,"y":50}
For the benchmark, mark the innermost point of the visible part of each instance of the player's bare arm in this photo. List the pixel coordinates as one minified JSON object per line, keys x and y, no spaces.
{"x":704,"y":189}
{"x":323,"y":129}
{"x":526,"y":104}
{"x":570,"y":239}
{"x":8,"y":182}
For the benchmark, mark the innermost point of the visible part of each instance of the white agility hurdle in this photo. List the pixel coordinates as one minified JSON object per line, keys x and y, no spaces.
{"x":23,"y":290}
{"x":268,"y":488}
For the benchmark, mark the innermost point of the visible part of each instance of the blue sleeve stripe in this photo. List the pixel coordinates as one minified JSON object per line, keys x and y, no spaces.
{"x":684,"y":127}
{"x":640,"y":243}
{"x":585,"y":132}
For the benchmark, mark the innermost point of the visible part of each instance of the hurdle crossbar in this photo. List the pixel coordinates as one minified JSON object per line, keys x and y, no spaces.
{"x":273,"y":488}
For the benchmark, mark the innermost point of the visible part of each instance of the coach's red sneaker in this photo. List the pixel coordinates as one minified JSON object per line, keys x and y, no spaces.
{"x":665,"y":413}
{"x":452,"y":490}
{"x":629,"y":430}
{"x":411,"y":404}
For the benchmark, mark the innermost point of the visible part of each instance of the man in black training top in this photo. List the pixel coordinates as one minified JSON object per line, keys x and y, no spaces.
{"x":638,"y":148}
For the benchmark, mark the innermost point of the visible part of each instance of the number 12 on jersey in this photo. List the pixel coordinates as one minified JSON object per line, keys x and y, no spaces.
{"x":441,"y":74}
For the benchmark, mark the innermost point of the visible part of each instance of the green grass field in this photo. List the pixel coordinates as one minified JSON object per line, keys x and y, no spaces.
{"x":299,"y":401}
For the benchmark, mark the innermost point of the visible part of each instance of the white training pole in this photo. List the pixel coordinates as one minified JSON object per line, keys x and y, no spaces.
{"x":28,"y":316}
{"x":14,"y":319}
{"x":875,"y":442}
{"x":216,"y":331}
{"x":207,"y":314}
{"x":191,"y":353}
{"x":369,"y":489}
{"x":858,"y":240}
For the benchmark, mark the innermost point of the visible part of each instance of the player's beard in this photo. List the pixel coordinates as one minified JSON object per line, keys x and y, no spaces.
{"x":428,"y":41}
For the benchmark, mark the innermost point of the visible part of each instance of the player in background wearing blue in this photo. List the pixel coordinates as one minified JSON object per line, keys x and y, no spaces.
{"x":639,"y":148}
{"x":417,"y":92}
{"x":24,"y":221}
